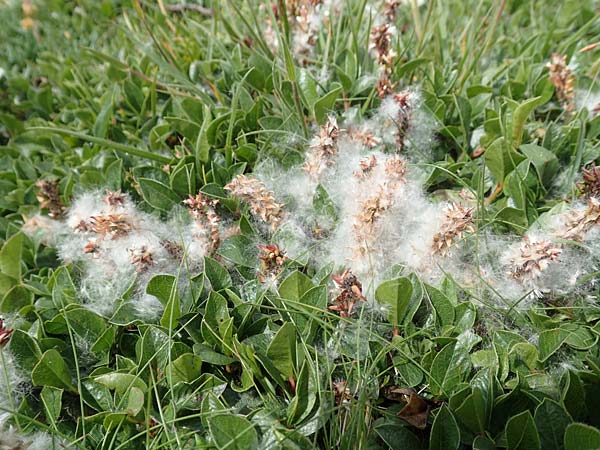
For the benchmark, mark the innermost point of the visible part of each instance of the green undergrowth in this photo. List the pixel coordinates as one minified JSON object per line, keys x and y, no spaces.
{"x":163,"y":103}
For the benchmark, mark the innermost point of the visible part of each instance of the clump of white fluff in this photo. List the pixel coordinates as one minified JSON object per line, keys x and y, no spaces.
{"x":13,"y":386}
{"x":11,"y":439}
{"x":420,"y":125}
{"x":410,"y":222}
{"x":352,"y":173}
{"x":588,"y":100}
{"x":118,"y":248}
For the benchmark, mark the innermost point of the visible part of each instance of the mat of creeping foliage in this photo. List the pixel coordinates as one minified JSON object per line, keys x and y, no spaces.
{"x":299,"y":224}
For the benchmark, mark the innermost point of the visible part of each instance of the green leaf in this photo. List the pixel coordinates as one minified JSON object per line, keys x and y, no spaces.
{"x":231,"y":432}
{"x":551,"y":420}
{"x":96,"y":395}
{"x":10,"y":256}
{"x":113,"y":174}
{"x":209,"y":356}
{"x":104,"y":342}
{"x":51,"y":370}
{"x":474,"y":411}
{"x":520,"y":117}
{"x":6,"y":283}
{"x":161,"y":287}
{"x":187,"y":368}
{"x":452,"y":363}
{"x":158,"y":195}
{"x":183,"y":180}
{"x":216,"y":316}
{"x":282,"y":350}
{"x":52,"y":400}
{"x":550,"y":341}
{"x":501,"y":160}
{"x":445,"y":434}
{"x":446,"y":372}
{"x":524,"y":352}
{"x":304,"y":319}
{"x":172,"y":309}
{"x":397,"y":294}
{"x":135,"y":401}
{"x":573,"y":395}
{"x":442,"y":305}
{"x":16,"y":298}
{"x":396,"y":436}
{"x":121,"y":382}
{"x":544,"y":161}
{"x":580,"y":436}
{"x":102,"y":122}
{"x":241,"y":250}
{"x":521,"y":433}
{"x":217,"y":274}
{"x":299,"y":403}
{"x":85,"y":323}
{"x":483,"y":443}
{"x":295,"y":286}
{"x":24,"y":349}
{"x":214,"y":190}
{"x":326,"y":103}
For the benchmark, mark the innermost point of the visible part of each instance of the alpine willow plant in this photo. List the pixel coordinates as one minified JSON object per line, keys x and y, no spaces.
{"x":299,"y":224}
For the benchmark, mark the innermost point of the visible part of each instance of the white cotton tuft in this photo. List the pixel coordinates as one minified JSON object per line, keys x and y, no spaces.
{"x":10,"y":439}
{"x":117,"y":249}
{"x":588,"y":100}
{"x":13,"y":385}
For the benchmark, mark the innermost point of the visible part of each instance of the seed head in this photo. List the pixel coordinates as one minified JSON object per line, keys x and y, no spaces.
{"x":367,"y":138}
{"x":532,"y":259}
{"x":367,"y":220}
{"x":381,"y":42}
{"x":200,"y":204}
{"x":272,"y":259}
{"x":341,"y":392}
{"x":114,"y":199}
{"x":260,"y":200}
{"x":142,"y":258}
{"x":49,"y":198}
{"x":202,"y":208}
{"x":590,"y":184}
{"x":350,"y":294}
{"x":579,"y":222}
{"x":323,"y":148}
{"x":365,"y":167}
{"x":385,"y":86}
{"x":403,"y":117}
{"x":172,"y":248}
{"x":395,"y":170}
{"x":457,"y":221}
{"x":390,"y":9}
{"x":370,"y":212}
{"x":108,"y":225}
{"x":563,"y":80}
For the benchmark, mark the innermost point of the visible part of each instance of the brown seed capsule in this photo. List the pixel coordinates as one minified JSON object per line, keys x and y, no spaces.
{"x":350,"y":294}
{"x":260,"y":200}
{"x":532,"y":259}
{"x":590,"y":184}
{"x":49,"y":198}
{"x":109,"y":225}
{"x":458,"y":220}
{"x":323,"y":149}
{"x":563,"y":80}
{"x":141,"y":257}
